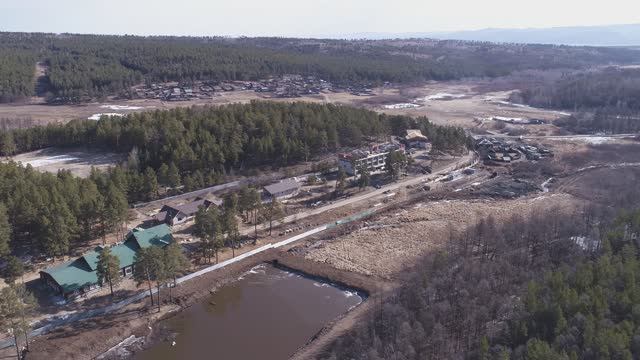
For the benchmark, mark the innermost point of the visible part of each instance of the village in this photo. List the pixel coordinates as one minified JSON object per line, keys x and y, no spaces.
{"x":285,"y":87}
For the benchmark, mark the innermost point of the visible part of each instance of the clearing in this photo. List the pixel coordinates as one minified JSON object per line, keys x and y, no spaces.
{"x":78,"y":161}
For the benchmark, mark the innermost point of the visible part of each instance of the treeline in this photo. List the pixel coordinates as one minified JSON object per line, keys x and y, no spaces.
{"x":42,"y":213}
{"x":549,"y":285}
{"x":603,"y":100}
{"x":17,"y":70}
{"x":217,"y":140}
{"x":587,"y":311}
{"x":608,"y":120}
{"x":81,"y":67}
{"x":609,"y":88}
{"x":184,"y":148}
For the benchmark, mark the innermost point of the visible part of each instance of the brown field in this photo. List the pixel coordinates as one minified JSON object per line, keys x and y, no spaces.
{"x":480,"y":101}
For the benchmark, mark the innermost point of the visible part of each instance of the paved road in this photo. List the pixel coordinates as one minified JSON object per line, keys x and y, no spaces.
{"x":467,"y":160}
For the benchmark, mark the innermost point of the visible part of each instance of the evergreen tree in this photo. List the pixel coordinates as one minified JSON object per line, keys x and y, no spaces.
{"x":340,"y":182}
{"x":364,"y":176}
{"x":173,"y":176}
{"x":147,"y":269}
{"x":395,"y":164}
{"x":175,"y":263}
{"x":163,"y":175}
{"x":15,"y":305}
{"x":151,"y":187}
{"x":13,"y":270}
{"x":114,"y":212}
{"x":273,"y":211}
{"x":5,"y":232}
{"x":108,"y":268}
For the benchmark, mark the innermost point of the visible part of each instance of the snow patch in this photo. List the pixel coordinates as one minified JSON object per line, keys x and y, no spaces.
{"x":121,"y":107}
{"x":593,"y":140}
{"x":401,"y":106}
{"x":444,"y":96}
{"x":50,"y":160}
{"x":545,"y":185}
{"x":99,"y":115}
{"x":514,"y":120}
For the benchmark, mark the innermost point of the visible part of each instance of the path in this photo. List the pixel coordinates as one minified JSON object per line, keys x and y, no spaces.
{"x":467,"y":160}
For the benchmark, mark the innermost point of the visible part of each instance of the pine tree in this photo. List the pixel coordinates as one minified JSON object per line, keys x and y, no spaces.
{"x":273,"y":211}
{"x":7,"y":144}
{"x":365,"y":177}
{"x":114,"y":212}
{"x":175,"y":263}
{"x":13,"y":270}
{"x":163,"y":175}
{"x":147,"y":269}
{"x":151,"y":187}
{"x":108,"y":268}
{"x":15,"y":305}
{"x":5,"y":232}
{"x":340,"y":182}
{"x":173,"y":176}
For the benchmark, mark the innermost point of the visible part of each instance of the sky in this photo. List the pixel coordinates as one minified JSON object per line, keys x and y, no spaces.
{"x":304,"y":18}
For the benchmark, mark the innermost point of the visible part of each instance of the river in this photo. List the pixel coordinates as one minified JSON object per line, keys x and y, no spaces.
{"x":267,"y":314}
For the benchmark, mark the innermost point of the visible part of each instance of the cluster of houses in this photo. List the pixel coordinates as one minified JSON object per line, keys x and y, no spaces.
{"x":79,"y":277}
{"x":498,"y":150}
{"x":286,"y":86}
{"x":175,"y":91}
{"x":290,"y":86}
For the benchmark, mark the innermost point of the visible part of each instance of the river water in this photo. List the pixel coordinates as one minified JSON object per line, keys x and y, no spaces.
{"x":267,"y":314}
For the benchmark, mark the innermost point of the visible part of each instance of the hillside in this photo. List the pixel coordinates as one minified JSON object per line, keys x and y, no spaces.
{"x":80,"y":68}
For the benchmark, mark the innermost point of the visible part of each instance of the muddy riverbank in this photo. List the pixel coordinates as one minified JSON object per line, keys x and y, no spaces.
{"x":268,"y":313}
{"x":92,"y":337}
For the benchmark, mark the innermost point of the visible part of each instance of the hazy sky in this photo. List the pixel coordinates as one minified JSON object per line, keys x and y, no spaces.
{"x":303,"y":17}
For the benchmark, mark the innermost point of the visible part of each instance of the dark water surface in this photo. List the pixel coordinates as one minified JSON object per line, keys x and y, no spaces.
{"x":267,"y":314}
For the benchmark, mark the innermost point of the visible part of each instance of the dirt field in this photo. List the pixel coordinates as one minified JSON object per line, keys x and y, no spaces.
{"x":78,"y":161}
{"x":388,"y":243}
{"x":462,"y":103}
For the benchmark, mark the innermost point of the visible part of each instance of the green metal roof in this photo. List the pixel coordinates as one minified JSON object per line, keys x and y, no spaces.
{"x":73,"y":275}
{"x":159,"y":235}
{"x":81,"y":272}
{"x":126,"y":253}
{"x":92,"y":259}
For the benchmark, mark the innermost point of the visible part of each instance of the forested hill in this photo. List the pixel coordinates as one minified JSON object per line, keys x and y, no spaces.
{"x":96,"y":65}
{"x":238,"y":136}
{"x":194,"y":147}
{"x":610,"y":87}
{"x":606,"y":100}
{"x":545,"y":287}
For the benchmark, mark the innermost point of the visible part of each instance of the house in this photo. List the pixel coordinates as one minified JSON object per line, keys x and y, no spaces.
{"x":415,"y":139}
{"x":283,"y":189}
{"x":173,"y":215}
{"x":79,"y":277}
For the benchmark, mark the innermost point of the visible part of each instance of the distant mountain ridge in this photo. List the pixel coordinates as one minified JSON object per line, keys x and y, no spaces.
{"x":605,"y":35}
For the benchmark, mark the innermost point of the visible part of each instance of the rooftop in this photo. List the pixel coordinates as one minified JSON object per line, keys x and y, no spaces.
{"x":191,"y":208}
{"x":284,"y":185}
{"x":81,"y":272}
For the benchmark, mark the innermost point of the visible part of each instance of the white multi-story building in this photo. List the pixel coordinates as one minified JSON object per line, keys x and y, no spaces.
{"x":374,"y":159}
